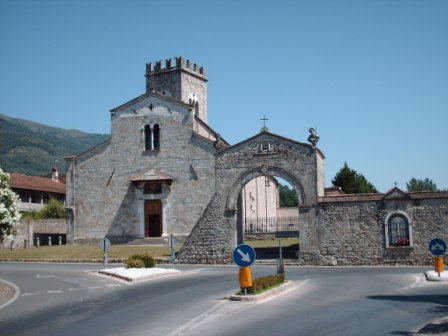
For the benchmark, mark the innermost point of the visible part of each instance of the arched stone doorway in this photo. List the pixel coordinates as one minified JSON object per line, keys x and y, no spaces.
{"x":215,"y":235}
{"x":251,"y":174}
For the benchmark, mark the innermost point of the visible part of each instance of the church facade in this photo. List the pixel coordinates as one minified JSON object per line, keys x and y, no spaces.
{"x":165,"y":171}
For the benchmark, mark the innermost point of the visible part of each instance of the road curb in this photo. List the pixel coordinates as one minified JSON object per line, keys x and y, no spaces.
{"x":263,"y":296}
{"x":8,"y":293}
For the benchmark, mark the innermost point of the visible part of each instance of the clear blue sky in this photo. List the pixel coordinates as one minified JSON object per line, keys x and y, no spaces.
{"x":371,"y":75}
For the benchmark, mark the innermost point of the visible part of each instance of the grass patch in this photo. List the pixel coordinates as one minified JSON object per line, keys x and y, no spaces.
{"x":93,"y":251}
{"x":83,"y":252}
{"x":272,"y":242}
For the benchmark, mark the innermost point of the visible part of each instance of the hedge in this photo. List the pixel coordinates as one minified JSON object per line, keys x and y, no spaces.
{"x":260,"y":284}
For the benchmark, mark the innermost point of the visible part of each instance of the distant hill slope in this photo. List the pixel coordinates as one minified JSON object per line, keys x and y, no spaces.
{"x":31,"y":148}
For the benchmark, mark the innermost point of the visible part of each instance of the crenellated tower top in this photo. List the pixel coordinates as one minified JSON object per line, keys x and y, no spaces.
{"x":177,"y":63}
{"x":180,"y":79}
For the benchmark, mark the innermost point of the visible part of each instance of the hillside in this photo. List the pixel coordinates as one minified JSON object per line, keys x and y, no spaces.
{"x":31,"y":148}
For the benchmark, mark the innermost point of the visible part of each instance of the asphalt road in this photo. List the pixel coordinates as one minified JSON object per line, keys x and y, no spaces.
{"x":61,"y":299}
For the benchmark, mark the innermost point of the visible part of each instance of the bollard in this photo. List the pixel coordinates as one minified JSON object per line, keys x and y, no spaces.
{"x":60,"y":240}
{"x":438,"y":263}
{"x":49,"y":241}
{"x":245,"y":277}
{"x":37,"y":242}
{"x":25,"y":243}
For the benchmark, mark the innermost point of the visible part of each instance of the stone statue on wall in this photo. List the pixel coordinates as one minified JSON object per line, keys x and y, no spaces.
{"x":314,"y":137}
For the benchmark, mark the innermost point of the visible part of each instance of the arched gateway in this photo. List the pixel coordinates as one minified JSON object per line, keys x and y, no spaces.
{"x":218,"y":231}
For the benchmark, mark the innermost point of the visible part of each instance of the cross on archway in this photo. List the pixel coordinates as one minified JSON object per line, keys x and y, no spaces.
{"x":264,"y":119}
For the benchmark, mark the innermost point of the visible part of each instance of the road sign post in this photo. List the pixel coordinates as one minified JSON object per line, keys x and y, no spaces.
{"x":437,"y":247}
{"x":104,"y":246}
{"x":173,"y":252}
{"x":244,"y":255}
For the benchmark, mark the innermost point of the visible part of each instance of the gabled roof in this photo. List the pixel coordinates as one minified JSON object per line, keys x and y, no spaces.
{"x":146,"y":95}
{"x":152,"y":175}
{"x":396,"y":193}
{"x":265,"y":132}
{"x":21,"y":181}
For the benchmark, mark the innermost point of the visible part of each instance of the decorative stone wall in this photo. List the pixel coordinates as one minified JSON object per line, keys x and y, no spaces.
{"x":353,"y":232}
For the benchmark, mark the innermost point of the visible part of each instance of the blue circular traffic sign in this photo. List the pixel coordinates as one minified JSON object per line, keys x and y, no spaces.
{"x":437,"y":247}
{"x":244,"y":255}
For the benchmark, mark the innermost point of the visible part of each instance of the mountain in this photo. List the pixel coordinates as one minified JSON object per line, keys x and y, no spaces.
{"x":32,"y":148}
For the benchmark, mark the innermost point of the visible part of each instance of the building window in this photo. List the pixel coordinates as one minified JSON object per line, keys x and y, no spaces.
{"x":152,"y":187}
{"x":398,"y":230}
{"x":152,"y":137}
{"x":156,"y":134}
{"x":265,"y":147}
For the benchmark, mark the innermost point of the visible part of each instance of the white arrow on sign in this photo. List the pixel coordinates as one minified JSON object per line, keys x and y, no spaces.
{"x":436,"y":247}
{"x":244,"y":256}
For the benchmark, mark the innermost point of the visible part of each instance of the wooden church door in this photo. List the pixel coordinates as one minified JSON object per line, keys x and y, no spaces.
{"x":153,"y":218}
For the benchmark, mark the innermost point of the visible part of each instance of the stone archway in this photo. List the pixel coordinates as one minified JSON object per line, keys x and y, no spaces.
{"x":263,"y":171}
{"x":214,"y":237}
{"x":272,"y":171}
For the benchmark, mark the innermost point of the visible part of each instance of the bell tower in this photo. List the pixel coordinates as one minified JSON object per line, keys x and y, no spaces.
{"x":182,"y":80}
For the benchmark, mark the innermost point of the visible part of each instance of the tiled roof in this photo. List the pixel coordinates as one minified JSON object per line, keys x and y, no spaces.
{"x":21,"y":181}
{"x":381,"y":196}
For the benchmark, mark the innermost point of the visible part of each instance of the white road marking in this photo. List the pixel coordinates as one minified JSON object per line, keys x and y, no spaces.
{"x":54,"y":291}
{"x":29,"y":294}
{"x":73,"y":289}
{"x":39,"y":276}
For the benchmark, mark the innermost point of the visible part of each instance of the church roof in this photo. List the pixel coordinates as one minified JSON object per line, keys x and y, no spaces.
{"x":152,"y":175}
{"x":146,"y":95}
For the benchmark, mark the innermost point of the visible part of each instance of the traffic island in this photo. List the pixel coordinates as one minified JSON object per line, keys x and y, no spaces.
{"x":436,"y":276}
{"x":138,"y":274}
{"x":285,"y":286}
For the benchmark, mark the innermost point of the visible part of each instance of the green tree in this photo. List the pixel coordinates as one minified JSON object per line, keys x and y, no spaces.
{"x":52,"y":210}
{"x":288,"y":197}
{"x":9,"y":208}
{"x":364,"y":186}
{"x":352,"y":182}
{"x":421,"y":185}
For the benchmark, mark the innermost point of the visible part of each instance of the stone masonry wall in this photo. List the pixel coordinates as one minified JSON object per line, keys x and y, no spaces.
{"x":27,"y":227}
{"x":216,"y":233}
{"x":107,"y":201}
{"x":353,"y":233}
{"x":209,"y":241}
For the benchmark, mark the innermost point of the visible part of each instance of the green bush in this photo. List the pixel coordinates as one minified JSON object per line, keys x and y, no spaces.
{"x":134,"y":263}
{"x":260,"y":284}
{"x":145,"y":260}
{"x":53,"y":209}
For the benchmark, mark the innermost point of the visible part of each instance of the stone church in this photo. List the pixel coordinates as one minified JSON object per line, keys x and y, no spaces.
{"x":164,"y":171}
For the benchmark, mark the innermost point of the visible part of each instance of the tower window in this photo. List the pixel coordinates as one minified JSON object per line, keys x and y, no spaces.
{"x":152,"y":137}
